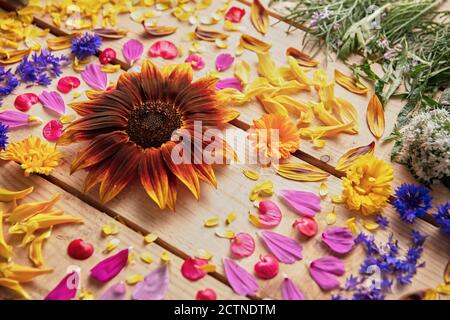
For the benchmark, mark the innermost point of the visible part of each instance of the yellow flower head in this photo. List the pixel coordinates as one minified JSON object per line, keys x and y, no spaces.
{"x":367,"y":185}
{"x":33,"y":155}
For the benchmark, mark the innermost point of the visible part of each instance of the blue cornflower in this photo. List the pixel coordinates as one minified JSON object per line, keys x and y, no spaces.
{"x":442,"y":217}
{"x":352,"y":283}
{"x":414,"y":254}
{"x":417,"y":238}
{"x":412,"y":201}
{"x":3,"y":136}
{"x":8,"y":82}
{"x":41,"y":68}
{"x":85,"y":45}
{"x":382,"y":221}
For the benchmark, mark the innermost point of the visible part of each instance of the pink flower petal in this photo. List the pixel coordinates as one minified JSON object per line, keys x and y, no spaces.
{"x":15,"y":119}
{"x":115,"y":292}
{"x":289,"y":290}
{"x":269,"y":214}
{"x":154,"y":286}
{"x":324,"y":271}
{"x":53,"y":101}
{"x":196,"y":61}
{"x":24,"y":101}
{"x":232,"y":82}
{"x":190,"y":268}
{"x":52,"y":130}
{"x":66,"y":84}
{"x":110,"y":267}
{"x":304,"y":203}
{"x":66,"y":289}
{"x":95,"y":77}
{"x":164,"y":49}
{"x":339,"y":239}
{"x":242,"y":282}
{"x":235,"y":14}
{"x":285,"y":249}
{"x":132,"y":50}
{"x":242,"y":245}
{"x":224,"y":61}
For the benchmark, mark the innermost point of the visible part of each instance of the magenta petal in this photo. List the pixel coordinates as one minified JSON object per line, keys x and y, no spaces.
{"x":108,"y":268}
{"x":52,"y":130}
{"x":339,"y":239}
{"x":224,"y":61}
{"x":304,"y":203}
{"x":14,"y":119}
{"x":95,"y":77}
{"x":132,"y":50}
{"x":269,"y":214}
{"x":66,"y":289}
{"x":324,"y":270}
{"x":190,"y":268}
{"x":242,"y":282}
{"x":232,"y":82}
{"x":53,"y":101}
{"x":242,"y":245}
{"x":289,"y":290}
{"x":115,"y":292}
{"x":285,"y":249}
{"x":154,"y":286}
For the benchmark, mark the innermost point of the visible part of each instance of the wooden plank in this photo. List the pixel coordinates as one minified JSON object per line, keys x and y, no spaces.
{"x":55,"y":248}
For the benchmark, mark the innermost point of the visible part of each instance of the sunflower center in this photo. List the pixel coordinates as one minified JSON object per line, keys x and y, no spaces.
{"x":152,"y":123}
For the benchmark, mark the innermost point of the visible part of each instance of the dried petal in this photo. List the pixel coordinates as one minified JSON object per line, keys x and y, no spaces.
{"x":225,"y":233}
{"x":331,"y":217}
{"x":351,"y":155}
{"x":134,"y":279}
{"x":302,"y":58}
{"x":108,"y":268}
{"x":53,"y":130}
{"x":66,"y":288}
{"x":23,"y":102}
{"x":235,"y":14}
{"x":285,"y":249}
{"x":324,"y":271}
{"x":242,"y":282}
{"x":132,"y":50}
{"x":233,"y":83}
{"x":191,"y":268}
{"x":8,"y":195}
{"x":242,"y":245}
{"x":60,"y":43}
{"x":304,"y":203}
{"x":323,"y":190}
{"x":324,"y":131}
{"x":164,"y":49}
{"x":301,"y":172}
{"x":375,"y":117}
{"x":5,"y":249}
{"x":35,"y":249}
{"x":351,"y":224}
{"x":242,"y":71}
{"x":66,"y":84}
{"x":259,"y":17}
{"x":224,"y":61}
{"x":95,"y":77}
{"x":269,"y":215}
{"x":14,"y":286}
{"x":53,"y":101}
{"x":14,"y":119}
{"x":195,"y":61}
{"x":110,"y":229}
{"x":252,"y":175}
{"x":211,"y":222}
{"x":289,"y":290}
{"x":154,"y":286}
{"x":107,"y":33}
{"x":339,"y":240}
{"x":350,"y":83}
{"x":253,"y":44}
{"x":150,"y":238}
{"x":209,"y":35}
{"x":261,"y":190}
{"x":230,"y":217}
{"x":115,"y":292}
{"x":11,"y":57}
{"x":158,"y":31}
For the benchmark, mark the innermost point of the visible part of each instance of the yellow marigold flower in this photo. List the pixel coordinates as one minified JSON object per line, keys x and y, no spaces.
{"x":367,"y":185}
{"x":33,"y":155}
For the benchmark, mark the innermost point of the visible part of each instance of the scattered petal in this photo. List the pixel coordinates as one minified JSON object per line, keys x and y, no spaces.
{"x":323,"y":190}
{"x":375,"y":117}
{"x":95,"y":77}
{"x":304,"y":203}
{"x":132,"y":50}
{"x":164,"y":49}
{"x":259,"y":17}
{"x":66,"y":288}
{"x":242,"y":71}
{"x":108,"y":268}
{"x":261,"y":190}
{"x":350,"y":83}
{"x":115,"y":292}
{"x":233,"y":83}
{"x":302,"y":58}
{"x":203,"y":254}
{"x":331,"y":217}
{"x":5,"y":249}
{"x":14,"y":119}
{"x":285,"y":249}
{"x":371,"y":226}
{"x":252,"y":175}
{"x":339,"y":240}
{"x":324,"y":271}
{"x":53,"y":130}
{"x":253,"y":44}
{"x":154,"y":286}
{"x":158,"y":31}
{"x":351,"y":224}
{"x":53,"y":101}
{"x":150,"y":238}
{"x":110,"y":33}
{"x":9,"y":196}
{"x":110,"y":229}
{"x":146,"y":258}
{"x":209,"y":35}
{"x":235,"y":14}
{"x":301,"y":172}
{"x":289,"y":290}
{"x":269,"y":215}
{"x":224,"y":61}
{"x":351,"y":155}
{"x":230,"y":217}
{"x":80,"y":250}
{"x":242,"y":282}
{"x":225,"y":233}
{"x":211,"y":222}
{"x":195,"y":61}
{"x":134,"y":279}
{"x":35,"y":248}
{"x":165,"y":257}
{"x":242,"y":245}
{"x":66,"y":84}
{"x":23,"y":102}
{"x":306,"y":226}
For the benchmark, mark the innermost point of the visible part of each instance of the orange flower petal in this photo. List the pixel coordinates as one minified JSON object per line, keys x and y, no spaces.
{"x":301,"y":172}
{"x":153,"y":176}
{"x":60,"y":43}
{"x":259,"y":17}
{"x":110,"y":33}
{"x":254,"y":44}
{"x":350,"y":83}
{"x":209,"y":35}
{"x":11,"y":57}
{"x":347,"y":158}
{"x":302,"y":58}
{"x":375,"y":117}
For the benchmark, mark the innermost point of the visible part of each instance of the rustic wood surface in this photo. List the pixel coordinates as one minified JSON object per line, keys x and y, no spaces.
{"x":182,"y":232}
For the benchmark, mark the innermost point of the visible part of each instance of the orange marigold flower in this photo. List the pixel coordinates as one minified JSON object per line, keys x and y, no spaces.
{"x":130,"y":130}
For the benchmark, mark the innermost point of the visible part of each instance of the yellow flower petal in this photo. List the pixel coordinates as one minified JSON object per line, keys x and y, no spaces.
{"x":35,"y":249}
{"x":210,"y":267}
{"x":110,"y":229}
{"x":268,"y":69}
{"x":5,"y":249}
{"x":350,"y":83}
{"x":259,"y":17}
{"x":351,"y":155}
{"x":61,"y":42}
{"x":301,"y":172}
{"x":27,"y":210}
{"x":8,"y":195}
{"x":370,"y":225}
{"x":331,"y":217}
{"x":261,"y":190}
{"x":86,"y":294}
{"x":230,"y":217}
{"x":146,"y":258}
{"x":14,"y":286}
{"x":443,"y":289}
{"x":134,"y":279}
{"x":225,"y":233}
{"x":252,"y":175}
{"x":165,"y":257}
{"x":150,"y":238}
{"x":253,"y":44}
{"x":375,"y":117}
{"x":209,"y":35}
{"x":323,"y":190}
{"x":242,"y":71}
{"x":211,"y":222}
{"x":271,"y":106}
{"x":22,"y":273}
{"x":203,"y":254}
{"x":298,"y":72}
{"x":111,"y":245}
{"x":351,"y":224}
{"x":324,"y":131}
{"x":302,"y":58}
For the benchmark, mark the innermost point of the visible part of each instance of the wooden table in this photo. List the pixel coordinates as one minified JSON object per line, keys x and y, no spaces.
{"x":182,"y":232}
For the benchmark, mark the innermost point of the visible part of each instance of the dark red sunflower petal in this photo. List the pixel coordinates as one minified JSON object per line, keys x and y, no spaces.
{"x":179,"y":79}
{"x":84,"y":108}
{"x":153,"y":175}
{"x":129,"y":83}
{"x":172,"y":194}
{"x":152,"y":81}
{"x":101,"y":120}
{"x":121,"y":171}
{"x":96,"y":174}
{"x":184,"y":172}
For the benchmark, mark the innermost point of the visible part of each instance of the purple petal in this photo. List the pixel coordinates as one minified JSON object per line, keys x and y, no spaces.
{"x":95,"y":77}
{"x":285,"y":249}
{"x":242,"y":282}
{"x":224,"y":61}
{"x":154,"y":286}
{"x":289,"y":290}
{"x":14,"y":119}
{"x":115,"y":292}
{"x":132,"y":50}
{"x":324,"y":270}
{"x":232,"y":82}
{"x":338,"y":239}
{"x":108,"y":268}
{"x":53,"y":101}
{"x":304,"y":203}
{"x":66,"y":289}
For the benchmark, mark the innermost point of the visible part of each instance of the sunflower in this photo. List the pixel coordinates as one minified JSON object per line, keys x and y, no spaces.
{"x":367,"y":185}
{"x":131,"y":130}
{"x":279,"y":127}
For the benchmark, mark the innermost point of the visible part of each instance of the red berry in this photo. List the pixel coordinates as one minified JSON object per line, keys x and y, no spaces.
{"x":80,"y":250}
{"x":307,"y":226}
{"x":107,"y":56}
{"x":207,"y":294}
{"x":267,"y":267}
